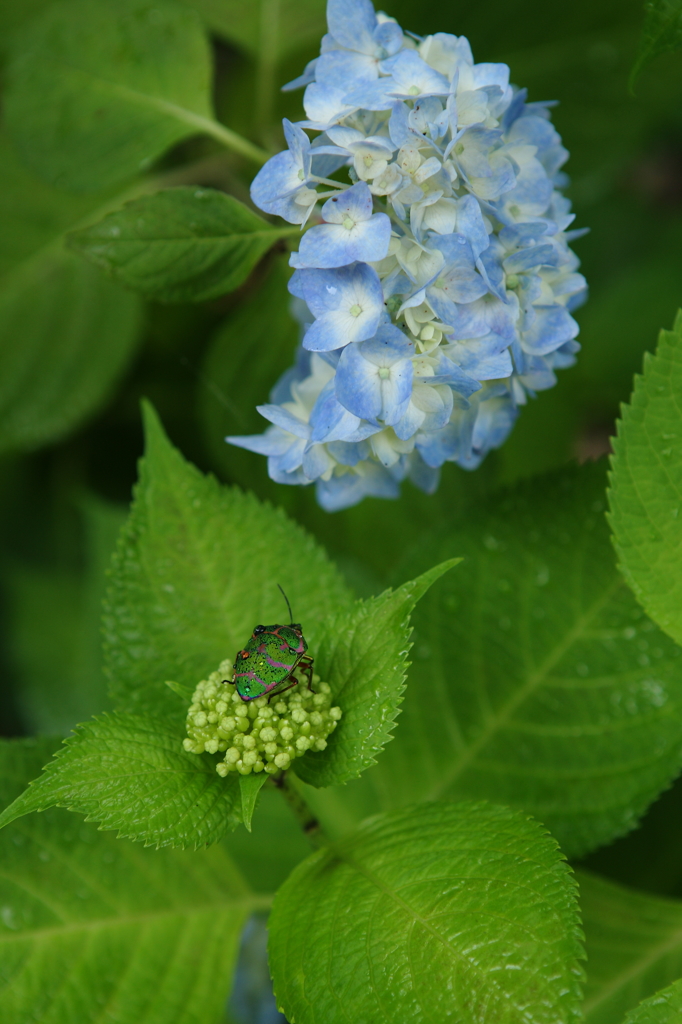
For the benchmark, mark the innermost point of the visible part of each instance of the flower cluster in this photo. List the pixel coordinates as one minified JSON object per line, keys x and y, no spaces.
{"x":436,"y":287}
{"x":257,"y":736}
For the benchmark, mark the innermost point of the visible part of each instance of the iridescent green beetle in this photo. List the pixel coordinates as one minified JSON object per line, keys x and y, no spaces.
{"x":270,"y":657}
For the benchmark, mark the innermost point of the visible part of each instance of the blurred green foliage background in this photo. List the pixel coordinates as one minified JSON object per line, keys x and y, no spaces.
{"x":65,"y":483}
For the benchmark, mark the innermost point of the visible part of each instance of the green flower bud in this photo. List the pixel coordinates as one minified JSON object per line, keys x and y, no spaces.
{"x":257,"y":736}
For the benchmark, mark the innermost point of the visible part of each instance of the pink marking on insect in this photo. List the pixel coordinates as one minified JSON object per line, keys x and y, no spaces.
{"x":249,"y":675}
{"x":276,"y":664}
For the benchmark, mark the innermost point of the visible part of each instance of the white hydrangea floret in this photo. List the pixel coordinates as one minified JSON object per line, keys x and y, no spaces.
{"x":258,"y":736}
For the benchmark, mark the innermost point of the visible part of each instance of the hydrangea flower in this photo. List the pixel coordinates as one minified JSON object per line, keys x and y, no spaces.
{"x":258,"y":736}
{"x":435,"y":283}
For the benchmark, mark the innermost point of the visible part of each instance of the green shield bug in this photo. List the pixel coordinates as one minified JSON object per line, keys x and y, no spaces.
{"x":267,"y":662}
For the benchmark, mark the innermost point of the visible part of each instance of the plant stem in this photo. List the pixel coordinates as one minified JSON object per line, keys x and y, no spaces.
{"x":231,"y":140}
{"x":305,"y":817}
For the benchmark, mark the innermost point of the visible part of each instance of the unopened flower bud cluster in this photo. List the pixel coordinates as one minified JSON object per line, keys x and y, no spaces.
{"x":257,"y":736}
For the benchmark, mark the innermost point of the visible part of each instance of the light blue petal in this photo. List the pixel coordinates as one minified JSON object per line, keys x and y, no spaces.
{"x":275,"y":182}
{"x":338,"y":68}
{"x":273,"y":442}
{"x":324,"y":106}
{"x":299,"y":145}
{"x":409,"y":423}
{"x":358,"y":386}
{"x":527,"y":259}
{"x":325,"y":290}
{"x":291,"y":459}
{"x":448,"y":372}
{"x":333,"y":245}
{"x":284,"y":419}
{"x":281,"y":476}
{"x":398,"y":124}
{"x":352,"y":23}
{"x":422,"y":476}
{"x":355,"y":202}
{"x":316,"y":461}
{"x":491,"y":271}
{"x":329,"y":420}
{"x":304,"y":79}
{"x":348,"y":454}
{"x":389,"y":37}
{"x":410,"y":73}
{"x":470,"y":224}
{"x":344,"y":491}
{"x":553,"y":326}
{"x":388,"y":345}
{"x":490,"y":74}
{"x":378,"y":95}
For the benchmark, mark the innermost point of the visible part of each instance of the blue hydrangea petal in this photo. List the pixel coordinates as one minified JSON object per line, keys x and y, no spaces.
{"x":413,"y":77}
{"x":273,"y":187}
{"x":283,"y":476}
{"x":316,"y":461}
{"x":274,"y":441}
{"x":388,"y":36}
{"x":374,"y":380}
{"x":338,"y":68}
{"x":470,"y":224}
{"x":459,"y":279}
{"x":344,"y":491}
{"x":553,"y":326}
{"x":528,"y":259}
{"x":378,"y":95}
{"x":352,"y":24}
{"x":348,"y":303}
{"x":490,"y":74}
{"x":332,"y":245}
{"x":324,"y":105}
{"x":284,"y":419}
{"x":426,"y":478}
{"x":306,"y":78}
{"x":347,"y":453}
{"x":485,"y":358}
{"x":331,"y":421}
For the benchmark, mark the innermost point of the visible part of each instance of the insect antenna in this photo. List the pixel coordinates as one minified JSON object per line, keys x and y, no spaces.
{"x":291,"y":614}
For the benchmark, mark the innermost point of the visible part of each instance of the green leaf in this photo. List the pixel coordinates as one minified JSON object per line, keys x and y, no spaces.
{"x":96,"y":92}
{"x":131,"y":773}
{"x":646,"y":485}
{"x":363,"y":655}
{"x":464,"y":912}
{"x":54,"y":615}
{"x":66,"y":336}
{"x":537,"y":679}
{"x":661,"y":33}
{"x":250,"y":787}
{"x":66,"y":333}
{"x":180,"y":245}
{"x":197,"y":567}
{"x":92,"y":925}
{"x":663,"y":1008}
{"x":634,"y":946}
{"x":292,"y":23}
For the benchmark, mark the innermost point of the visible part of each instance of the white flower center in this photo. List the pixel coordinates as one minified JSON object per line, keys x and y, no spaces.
{"x":384,"y":372}
{"x":355,"y":310}
{"x":348,"y":223}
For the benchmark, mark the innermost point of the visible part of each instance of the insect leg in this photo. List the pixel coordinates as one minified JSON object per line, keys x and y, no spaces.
{"x":277,"y":693}
{"x":308,"y":669}
{"x":230,"y":681}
